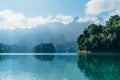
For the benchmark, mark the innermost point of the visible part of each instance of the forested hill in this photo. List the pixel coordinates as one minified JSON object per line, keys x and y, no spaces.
{"x":101,"y":38}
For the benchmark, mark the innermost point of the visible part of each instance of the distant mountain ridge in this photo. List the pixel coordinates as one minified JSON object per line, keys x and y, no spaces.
{"x":56,"y":33}
{"x":43,"y":32}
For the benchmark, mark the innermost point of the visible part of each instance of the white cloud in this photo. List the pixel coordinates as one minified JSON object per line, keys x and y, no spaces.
{"x":64,"y":19}
{"x":93,"y":19}
{"x":94,"y":7}
{"x":12,"y":20}
{"x":116,"y":12}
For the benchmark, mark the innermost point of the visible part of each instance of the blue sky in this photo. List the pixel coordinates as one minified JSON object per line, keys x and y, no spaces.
{"x":46,"y":7}
{"x":66,"y":7}
{"x":32,"y":13}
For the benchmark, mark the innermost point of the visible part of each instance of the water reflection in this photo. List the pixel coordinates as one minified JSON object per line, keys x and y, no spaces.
{"x":32,"y":68}
{"x":100,"y":67}
{"x":3,"y":57}
{"x":45,"y":57}
{"x":38,"y":57}
{"x":90,"y":67}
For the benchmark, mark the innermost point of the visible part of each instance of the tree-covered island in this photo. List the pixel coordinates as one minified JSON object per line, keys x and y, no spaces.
{"x":99,"y":38}
{"x":44,"y":48}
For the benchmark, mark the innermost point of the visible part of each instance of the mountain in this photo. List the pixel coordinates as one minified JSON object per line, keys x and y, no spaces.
{"x":54,"y":32}
{"x":13,"y":49}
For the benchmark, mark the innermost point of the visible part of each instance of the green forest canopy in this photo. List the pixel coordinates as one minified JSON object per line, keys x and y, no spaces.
{"x":101,"y":38}
{"x":44,"y":48}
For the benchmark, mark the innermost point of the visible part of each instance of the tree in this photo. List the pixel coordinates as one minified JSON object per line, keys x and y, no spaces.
{"x":112,"y":20}
{"x":101,"y":38}
{"x":44,"y":48}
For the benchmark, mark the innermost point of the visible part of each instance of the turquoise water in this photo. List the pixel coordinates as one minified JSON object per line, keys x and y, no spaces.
{"x":35,"y":68}
{"x":59,"y":67}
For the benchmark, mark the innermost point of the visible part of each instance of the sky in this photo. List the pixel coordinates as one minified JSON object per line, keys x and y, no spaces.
{"x":45,"y":7}
{"x":31,"y":13}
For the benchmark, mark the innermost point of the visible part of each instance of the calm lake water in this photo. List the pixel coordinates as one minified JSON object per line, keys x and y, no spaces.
{"x":60,"y":67}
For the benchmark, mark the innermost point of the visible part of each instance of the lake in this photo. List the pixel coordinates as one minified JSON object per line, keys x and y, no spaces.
{"x":59,"y":67}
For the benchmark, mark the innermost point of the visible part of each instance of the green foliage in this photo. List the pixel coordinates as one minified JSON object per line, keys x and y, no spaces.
{"x":44,"y":48}
{"x":101,"y":38}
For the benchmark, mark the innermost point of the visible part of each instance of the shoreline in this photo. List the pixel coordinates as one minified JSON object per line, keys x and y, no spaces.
{"x":83,"y":52}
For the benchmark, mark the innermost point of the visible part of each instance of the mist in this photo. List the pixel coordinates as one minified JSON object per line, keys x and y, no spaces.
{"x":60,"y":34}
